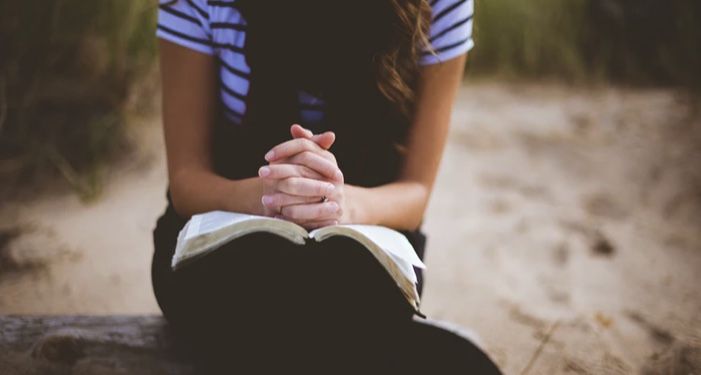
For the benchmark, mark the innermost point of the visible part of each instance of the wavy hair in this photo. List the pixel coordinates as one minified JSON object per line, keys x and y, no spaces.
{"x":397,"y":67}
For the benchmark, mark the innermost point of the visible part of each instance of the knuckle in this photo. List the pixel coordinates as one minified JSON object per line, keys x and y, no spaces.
{"x":274,"y":170}
{"x":323,"y":164}
{"x":299,"y":171}
{"x":307,"y":144}
{"x":296,"y":170}
{"x":329,"y":155}
{"x":293,"y":184}
{"x":285,"y":170}
{"x":326,"y":213}
{"x":303,"y":157}
{"x":292,"y":212}
{"x":286,"y":185}
{"x":308,"y":172}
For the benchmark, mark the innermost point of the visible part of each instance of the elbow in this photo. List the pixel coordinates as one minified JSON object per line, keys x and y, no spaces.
{"x":178,"y":200}
{"x":415,"y":218}
{"x":178,"y":189}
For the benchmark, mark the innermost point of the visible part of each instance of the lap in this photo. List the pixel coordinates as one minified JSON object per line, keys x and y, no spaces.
{"x":263,"y":302}
{"x":264,"y":276}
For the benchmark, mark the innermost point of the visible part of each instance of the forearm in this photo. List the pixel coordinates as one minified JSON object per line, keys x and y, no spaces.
{"x":199,"y":190}
{"x":401,"y":205}
{"x":398,"y":205}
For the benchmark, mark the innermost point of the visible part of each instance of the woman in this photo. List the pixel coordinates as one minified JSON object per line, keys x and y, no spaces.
{"x":372,"y":82}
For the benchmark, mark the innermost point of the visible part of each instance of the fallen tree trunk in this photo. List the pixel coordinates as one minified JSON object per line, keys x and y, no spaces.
{"x":89,"y":345}
{"x":112,"y":345}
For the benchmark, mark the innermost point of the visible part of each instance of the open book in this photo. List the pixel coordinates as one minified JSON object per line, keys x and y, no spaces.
{"x":206,"y":232}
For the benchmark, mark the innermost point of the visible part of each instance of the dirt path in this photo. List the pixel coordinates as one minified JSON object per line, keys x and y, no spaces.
{"x":565,"y":230}
{"x":65,"y":256}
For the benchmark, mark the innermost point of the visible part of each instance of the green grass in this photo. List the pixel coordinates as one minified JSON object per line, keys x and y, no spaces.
{"x":534,"y":38}
{"x":636,"y":42}
{"x":68,"y":68}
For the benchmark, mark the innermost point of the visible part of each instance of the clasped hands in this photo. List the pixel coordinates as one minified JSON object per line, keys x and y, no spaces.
{"x":302,"y":182}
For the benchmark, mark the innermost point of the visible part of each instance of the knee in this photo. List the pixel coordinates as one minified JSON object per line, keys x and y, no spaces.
{"x":359,"y":285}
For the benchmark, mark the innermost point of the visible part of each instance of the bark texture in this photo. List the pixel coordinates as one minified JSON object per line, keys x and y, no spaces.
{"x":89,"y":345}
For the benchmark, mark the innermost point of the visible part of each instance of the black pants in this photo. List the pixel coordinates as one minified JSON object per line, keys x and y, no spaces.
{"x":261,"y":304}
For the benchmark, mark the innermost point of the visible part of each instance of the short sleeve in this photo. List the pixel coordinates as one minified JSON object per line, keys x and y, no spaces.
{"x":451,"y":30}
{"x":185,"y":22}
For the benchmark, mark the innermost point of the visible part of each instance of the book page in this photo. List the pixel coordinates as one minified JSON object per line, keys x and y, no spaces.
{"x":405,"y":267}
{"x":204,"y":233}
{"x":388,"y":239}
{"x":212,"y":221}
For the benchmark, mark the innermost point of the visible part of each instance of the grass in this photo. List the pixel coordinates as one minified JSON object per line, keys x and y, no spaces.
{"x":632,"y":42}
{"x":529,"y":38}
{"x":69,"y":68}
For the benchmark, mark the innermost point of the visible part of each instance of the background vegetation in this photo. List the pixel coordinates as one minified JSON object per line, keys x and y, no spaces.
{"x":68,"y":68}
{"x":637,"y":42}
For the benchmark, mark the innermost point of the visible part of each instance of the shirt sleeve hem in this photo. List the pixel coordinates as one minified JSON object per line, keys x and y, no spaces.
{"x":185,"y":43}
{"x":431,"y":59}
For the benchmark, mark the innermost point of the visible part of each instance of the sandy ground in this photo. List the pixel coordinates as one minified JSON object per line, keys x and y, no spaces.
{"x":565,"y":230}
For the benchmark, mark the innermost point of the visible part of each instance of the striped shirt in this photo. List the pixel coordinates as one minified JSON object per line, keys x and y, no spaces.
{"x":215,"y":27}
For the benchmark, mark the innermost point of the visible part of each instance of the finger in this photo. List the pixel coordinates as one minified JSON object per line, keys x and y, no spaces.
{"x":305,"y":187}
{"x":325,"y":140}
{"x":275,"y":201}
{"x":318,"y":164}
{"x":298,"y":131}
{"x":323,"y":153}
{"x":290,"y":148}
{"x":311,"y":212}
{"x":280,"y":171}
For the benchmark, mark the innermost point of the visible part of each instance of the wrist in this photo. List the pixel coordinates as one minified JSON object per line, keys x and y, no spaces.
{"x":197,"y":191}
{"x":355,"y":200}
{"x":242,"y":196}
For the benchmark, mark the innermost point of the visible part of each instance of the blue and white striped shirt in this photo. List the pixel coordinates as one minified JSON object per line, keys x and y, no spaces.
{"x":217,"y":28}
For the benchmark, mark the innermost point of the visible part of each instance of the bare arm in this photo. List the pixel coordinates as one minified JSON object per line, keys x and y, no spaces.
{"x":408,"y":197}
{"x":189,"y":99}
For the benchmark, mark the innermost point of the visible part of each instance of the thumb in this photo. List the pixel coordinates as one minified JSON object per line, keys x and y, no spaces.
{"x":325,"y":140}
{"x":297,"y":131}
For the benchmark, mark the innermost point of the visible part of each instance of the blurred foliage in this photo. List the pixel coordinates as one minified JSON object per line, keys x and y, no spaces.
{"x":67,"y":68}
{"x":534,"y":38}
{"x":642,"y":42}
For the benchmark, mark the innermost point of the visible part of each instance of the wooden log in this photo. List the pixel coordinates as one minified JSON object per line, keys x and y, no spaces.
{"x":89,"y":345}
{"x":108,"y":345}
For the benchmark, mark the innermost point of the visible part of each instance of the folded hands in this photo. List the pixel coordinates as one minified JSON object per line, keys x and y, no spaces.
{"x":302,"y":181}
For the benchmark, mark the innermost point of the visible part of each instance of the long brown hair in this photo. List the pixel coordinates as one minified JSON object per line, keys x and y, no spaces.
{"x":397,"y":67}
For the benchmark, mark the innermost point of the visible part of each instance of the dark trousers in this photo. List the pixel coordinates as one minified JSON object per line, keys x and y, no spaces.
{"x":261,"y":304}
